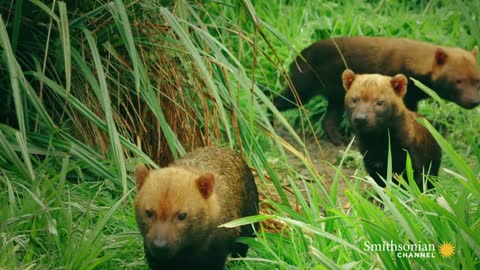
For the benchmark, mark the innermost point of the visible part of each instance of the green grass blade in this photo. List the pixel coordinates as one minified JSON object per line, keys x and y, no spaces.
{"x":474,"y":184}
{"x":14,"y":77}
{"x":104,"y":98}
{"x":8,"y":153}
{"x":65,"y":38}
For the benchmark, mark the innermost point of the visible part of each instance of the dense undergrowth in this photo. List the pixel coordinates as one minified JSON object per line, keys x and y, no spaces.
{"x":90,"y":88}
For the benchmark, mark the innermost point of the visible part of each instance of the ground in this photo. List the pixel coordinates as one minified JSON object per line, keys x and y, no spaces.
{"x":325,"y":158}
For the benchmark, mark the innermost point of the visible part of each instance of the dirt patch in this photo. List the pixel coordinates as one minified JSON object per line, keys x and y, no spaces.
{"x":325,"y":159}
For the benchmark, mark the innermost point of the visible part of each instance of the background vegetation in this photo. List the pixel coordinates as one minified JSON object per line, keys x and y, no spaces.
{"x":91,"y":88}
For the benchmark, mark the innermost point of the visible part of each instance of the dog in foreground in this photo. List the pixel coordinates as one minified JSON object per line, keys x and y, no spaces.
{"x":179,"y":208}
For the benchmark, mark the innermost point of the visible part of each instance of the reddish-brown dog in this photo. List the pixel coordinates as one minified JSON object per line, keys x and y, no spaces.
{"x":375,"y":108}
{"x":179,"y":209}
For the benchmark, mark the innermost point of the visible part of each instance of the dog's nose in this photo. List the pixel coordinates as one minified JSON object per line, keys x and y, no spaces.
{"x":360,"y":120}
{"x":473,"y":104}
{"x":160,"y":243}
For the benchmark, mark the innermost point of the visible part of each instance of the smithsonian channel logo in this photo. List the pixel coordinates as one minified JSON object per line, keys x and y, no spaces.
{"x":418,"y":250}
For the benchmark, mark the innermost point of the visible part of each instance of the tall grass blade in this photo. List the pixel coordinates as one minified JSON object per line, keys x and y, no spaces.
{"x":14,"y":78}
{"x":8,"y":153}
{"x":65,"y":38}
{"x":474,"y":184}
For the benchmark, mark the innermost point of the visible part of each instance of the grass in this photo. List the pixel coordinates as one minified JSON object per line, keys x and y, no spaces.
{"x":90,"y":90}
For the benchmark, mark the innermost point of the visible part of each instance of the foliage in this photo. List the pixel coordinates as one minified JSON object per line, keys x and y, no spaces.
{"x":90,"y":88}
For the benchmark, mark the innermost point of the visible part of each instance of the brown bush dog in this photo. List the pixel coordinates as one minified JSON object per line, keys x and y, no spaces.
{"x":451,"y":72}
{"x":375,"y":108}
{"x":178,"y":209}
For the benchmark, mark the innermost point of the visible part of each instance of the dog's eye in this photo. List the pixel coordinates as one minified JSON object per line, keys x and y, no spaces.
{"x":458,"y":81}
{"x":182,"y":216}
{"x":476,"y":83}
{"x":149,"y":213}
{"x":380,"y":102}
{"x":354,"y":100}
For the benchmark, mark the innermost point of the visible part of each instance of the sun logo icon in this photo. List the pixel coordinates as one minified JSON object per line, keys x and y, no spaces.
{"x":447,"y":250}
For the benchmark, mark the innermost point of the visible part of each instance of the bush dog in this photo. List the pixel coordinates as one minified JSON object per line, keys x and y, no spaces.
{"x":451,"y":72}
{"x":374,"y":105}
{"x":179,"y":208}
